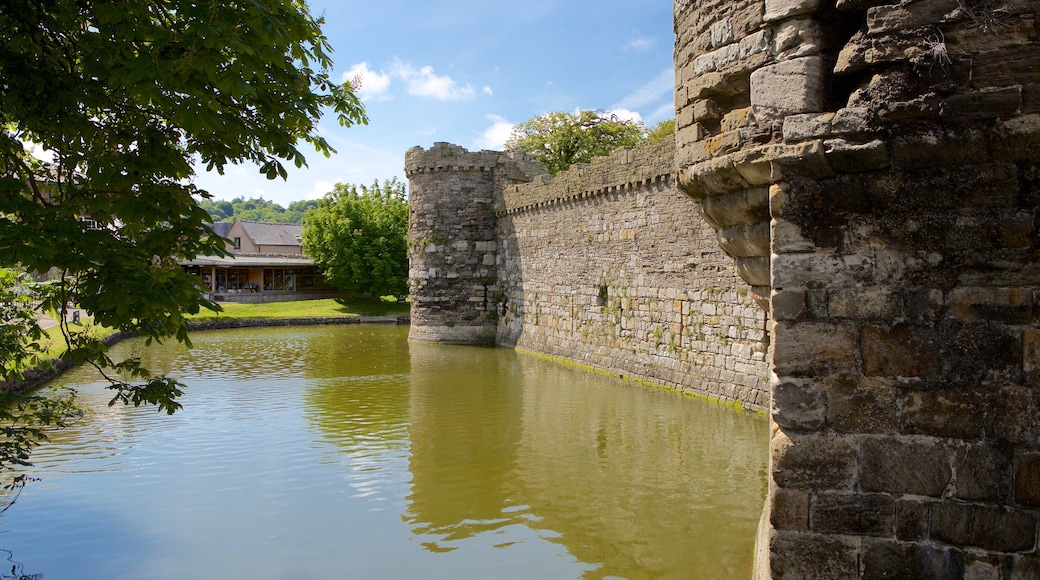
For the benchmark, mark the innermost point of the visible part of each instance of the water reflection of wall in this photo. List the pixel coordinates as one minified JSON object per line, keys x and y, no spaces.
{"x":623,"y":478}
{"x":465,"y":428}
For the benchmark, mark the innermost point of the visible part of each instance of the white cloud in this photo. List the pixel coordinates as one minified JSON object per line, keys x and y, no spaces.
{"x":660,"y":87}
{"x":488,"y":91}
{"x":423,"y":82}
{"x":495,"y":136}
{"x":639,"y":44}
{"x":374,"y":86}
{"x":662,"y":113}
{"x":319,"y":189}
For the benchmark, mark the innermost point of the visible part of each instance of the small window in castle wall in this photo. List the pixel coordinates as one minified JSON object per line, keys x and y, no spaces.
{"x":601,"y":298}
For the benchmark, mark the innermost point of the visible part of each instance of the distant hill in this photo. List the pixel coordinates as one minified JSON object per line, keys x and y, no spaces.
{"x":258,"y":209}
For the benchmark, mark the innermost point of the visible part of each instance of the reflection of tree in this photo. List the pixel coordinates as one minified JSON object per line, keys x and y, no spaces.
{"x":361,"y":399}
{"x":17,"y":570}
{"x":465,"y":428}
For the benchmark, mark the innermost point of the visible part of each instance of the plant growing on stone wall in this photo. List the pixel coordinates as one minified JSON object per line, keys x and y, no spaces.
{"x":986,"y":15}
{"x":936,"y":52}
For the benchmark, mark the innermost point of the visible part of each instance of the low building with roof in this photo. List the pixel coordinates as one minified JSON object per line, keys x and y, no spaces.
{"x":267,"y":264}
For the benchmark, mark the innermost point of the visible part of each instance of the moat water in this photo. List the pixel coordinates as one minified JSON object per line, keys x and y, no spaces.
{"x":347,"y":452}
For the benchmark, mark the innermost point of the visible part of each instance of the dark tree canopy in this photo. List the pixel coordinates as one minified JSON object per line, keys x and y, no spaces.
{"x":358,"y":236}
{"x":259,"y":210}
{"x":122,"y":98}
{"x":560,"y":140}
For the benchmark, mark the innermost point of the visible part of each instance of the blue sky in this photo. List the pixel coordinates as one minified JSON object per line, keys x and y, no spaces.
{"x":465,"y":71}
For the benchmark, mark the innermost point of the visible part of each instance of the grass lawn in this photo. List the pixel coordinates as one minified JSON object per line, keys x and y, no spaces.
{"x":386,"y":306}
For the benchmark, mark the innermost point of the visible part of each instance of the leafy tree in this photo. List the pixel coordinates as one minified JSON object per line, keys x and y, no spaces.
{"x":119,"y":98}
{"x":560,"y":140}
{"x":258,"y":209}
{"x":661,"y":131}
{"x":358,"y":237}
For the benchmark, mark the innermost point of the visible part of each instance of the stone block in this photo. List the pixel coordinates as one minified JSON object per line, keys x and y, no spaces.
{"x":812,"y":461}
{"x":807,"y":126}
{"x":787,"y":238}
{"x":1027,"y":480}
{"x":789,"y":509}
{"x":789,"y":87}
{"x":899,"y":351}
{"x":796,"y":555}
{"x":1017,"y":138}
{"x":987,"y":104}
{"x":912,"y":520}
{"x":846,"y":157}
{"x":889,"y":559}
{"x":953,"y":412}
{"x":853,"y":514}
{"x":983,"y":473}
{"x":1026,"y":567}
{"x":789,"y":305}
{"x":862,"y":406}
{"x":820,"y":269}
{"x":1006,"y":305}
{"x":813,"y":348}
{"x":781,"y":9}
{"x":1015,"y":411}
{"x":884,"y":19}
{"x":721,"y":32}
{"x":899,"y":465}
{"x":797,"y":38}
{"x":978,"y":350}
{"x":705,"y":109}
{"x":864,"y":303}
{"x":996,"y":528}
{"x":799,"y":405}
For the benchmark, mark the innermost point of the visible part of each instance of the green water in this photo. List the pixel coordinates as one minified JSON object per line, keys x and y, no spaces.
{"x":347,"y":452}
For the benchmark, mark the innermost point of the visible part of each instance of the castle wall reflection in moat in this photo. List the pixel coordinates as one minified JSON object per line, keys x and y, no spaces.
{"x":333,"y":452}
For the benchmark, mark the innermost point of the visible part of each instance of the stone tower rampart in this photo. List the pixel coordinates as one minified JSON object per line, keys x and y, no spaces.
{"x":606,"y":264}
{"x":891,"y":152}
{"x":453,"y":241}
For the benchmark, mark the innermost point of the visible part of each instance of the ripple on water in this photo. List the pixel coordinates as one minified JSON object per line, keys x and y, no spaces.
{"x":317,"y":452}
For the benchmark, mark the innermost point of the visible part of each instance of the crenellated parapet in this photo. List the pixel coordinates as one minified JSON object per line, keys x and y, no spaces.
{"x":624,"y":170}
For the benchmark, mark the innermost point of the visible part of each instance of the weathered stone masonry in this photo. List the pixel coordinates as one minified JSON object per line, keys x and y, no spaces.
{"x":607,"y":265}
{"x":897,"y":148}
{"x":873,"y":170}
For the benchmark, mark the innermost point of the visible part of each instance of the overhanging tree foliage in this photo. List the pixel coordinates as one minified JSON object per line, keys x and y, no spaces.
{"x":560,"y":140}
{"x":358,"y":237}
{"x":123,"y":98}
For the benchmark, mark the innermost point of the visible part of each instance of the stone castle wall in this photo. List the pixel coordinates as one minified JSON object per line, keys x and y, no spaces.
{"x":609,"y":265}
{"x":606,"y":265}
{"x":897,"y":146}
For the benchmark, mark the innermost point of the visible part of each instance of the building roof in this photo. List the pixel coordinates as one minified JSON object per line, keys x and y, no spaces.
{"x":268,"y":234}
{"x":221,"y":228}
{"x":248,"y":261}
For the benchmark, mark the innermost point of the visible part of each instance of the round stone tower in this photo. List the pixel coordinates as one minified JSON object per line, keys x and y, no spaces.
{"x":453,"y":242}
